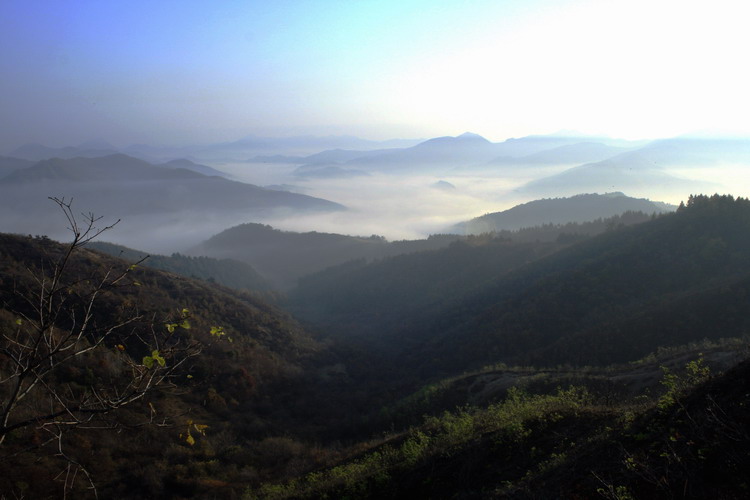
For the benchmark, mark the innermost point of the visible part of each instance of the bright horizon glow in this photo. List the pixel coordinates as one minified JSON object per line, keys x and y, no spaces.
{"x":196,"y":72}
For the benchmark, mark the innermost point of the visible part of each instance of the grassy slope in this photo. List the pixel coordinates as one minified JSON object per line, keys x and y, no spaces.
{"x":564,"y":444}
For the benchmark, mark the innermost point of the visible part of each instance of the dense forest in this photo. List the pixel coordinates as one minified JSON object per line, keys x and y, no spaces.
{"x":227,"y":272}
{"x":605,"y":361}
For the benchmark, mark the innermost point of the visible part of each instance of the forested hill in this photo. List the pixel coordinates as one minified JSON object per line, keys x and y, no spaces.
{"x":247,"y":383}
{"x":579,"y":208}
{"x":615,"y":297}
{"x":227,"y":272}
{"x":282,"y":257}
{"x":361,"y":299}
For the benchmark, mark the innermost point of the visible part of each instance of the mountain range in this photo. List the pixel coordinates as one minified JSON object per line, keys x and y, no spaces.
{"x":595,"y":164}
{"x":153,"y":199}
{"x":102,"y":183}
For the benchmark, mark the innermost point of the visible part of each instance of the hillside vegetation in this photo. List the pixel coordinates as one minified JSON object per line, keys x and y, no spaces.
{"x":283,"y":257}
{"x":691,"y":441}
{"x":580,"y":366}
{"x":227,"y":272}
{"x":576,"y":209}
{"x":611,"y":298}
{"x":248,"y":385}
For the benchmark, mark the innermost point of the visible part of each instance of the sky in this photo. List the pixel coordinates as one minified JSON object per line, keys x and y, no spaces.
{"x":195,"y":72}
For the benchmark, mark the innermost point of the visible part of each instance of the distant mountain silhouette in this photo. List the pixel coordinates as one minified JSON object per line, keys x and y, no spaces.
{"x":327,"y":171}
{"x":466,"y":149}
{"x":632,"y":171}
{"x":195,"y":167}
{"x":275,"y":159}
{"x":36,"y":152}
{"x":578,"y":153}
{"x":117,"y":167}
{"x":97,"y":144}
{"x":648,"y":166}
{"x":344,"y":155}
{"x":471,"y":152}
{"x":443,"y":186}
{"x":158,"y":198}
{"x":8,"y":165}
{"x":685,"y":151}
{"x":579,"y":208}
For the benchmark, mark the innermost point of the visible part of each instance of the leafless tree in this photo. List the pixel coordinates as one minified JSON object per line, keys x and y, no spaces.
{"x":57,"y":327}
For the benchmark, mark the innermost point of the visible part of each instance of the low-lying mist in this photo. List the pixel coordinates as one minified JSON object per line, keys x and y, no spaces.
{"x":395,"y":205}
{"x":411,"y":206}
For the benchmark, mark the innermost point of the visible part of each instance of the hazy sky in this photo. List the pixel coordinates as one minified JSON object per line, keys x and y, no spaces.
{"x":199,"y":71}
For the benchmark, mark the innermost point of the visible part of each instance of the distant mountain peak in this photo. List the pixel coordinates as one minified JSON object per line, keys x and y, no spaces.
{"x":470,"y":135}
{"x":443,"y":186}
{"x":97,"y":143}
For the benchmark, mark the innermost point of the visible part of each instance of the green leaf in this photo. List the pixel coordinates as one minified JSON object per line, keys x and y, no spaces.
{"x":19,"y":321}
{"x":185,"y":324}
{"x":148,"y":361}
{"x":159,"y":359}
{"x":170,"y":327}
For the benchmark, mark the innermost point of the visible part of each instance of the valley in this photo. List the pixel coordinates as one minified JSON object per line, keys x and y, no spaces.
{"x":500,"y":349}
{"x":374,"y":250}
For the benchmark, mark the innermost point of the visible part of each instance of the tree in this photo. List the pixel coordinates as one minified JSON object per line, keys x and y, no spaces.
{"x":64,"y":364}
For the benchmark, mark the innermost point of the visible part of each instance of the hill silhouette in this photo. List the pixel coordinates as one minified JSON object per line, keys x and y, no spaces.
{"x":227,"y":272}
{"x":283,"y":257}
{"x":578,"y":208}
{"x":159,"y":204}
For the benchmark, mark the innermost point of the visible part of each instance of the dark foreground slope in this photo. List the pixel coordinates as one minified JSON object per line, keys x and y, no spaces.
{"x":695,"y":447}
{"x":248,"y":390}
{"x":690,"y":441}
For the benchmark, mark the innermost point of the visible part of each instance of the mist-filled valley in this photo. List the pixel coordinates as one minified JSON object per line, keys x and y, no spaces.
{"x":363,"y":323}
{"x":374,"y":250}
{"x":399,"y":193}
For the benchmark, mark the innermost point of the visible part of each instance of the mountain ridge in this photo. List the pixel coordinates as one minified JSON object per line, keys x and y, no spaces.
{"x":577,"y":208}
